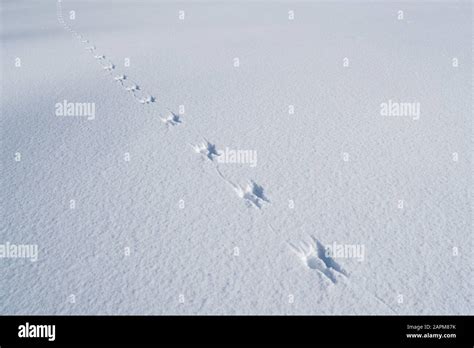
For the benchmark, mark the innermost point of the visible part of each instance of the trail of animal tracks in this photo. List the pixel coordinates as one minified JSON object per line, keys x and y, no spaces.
{"x":231,"y":151}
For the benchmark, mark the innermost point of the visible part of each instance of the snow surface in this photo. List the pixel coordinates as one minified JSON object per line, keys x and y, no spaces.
{"x":160,"y":226}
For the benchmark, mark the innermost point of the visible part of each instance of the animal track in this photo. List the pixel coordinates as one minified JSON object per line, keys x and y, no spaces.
{"x":109,"y":67}
{"x":314,"y":256}
{"x":172,"y":119}
{"x":252,"y":194}
{"x":147,"y":100}
{"x":120,"y":78}
{"x":132,"y":88}
{"x":206,"y":149}
{"x":106,"y":64}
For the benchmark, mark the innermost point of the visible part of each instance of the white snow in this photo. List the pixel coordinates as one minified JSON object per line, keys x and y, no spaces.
{"x":128,"y":219}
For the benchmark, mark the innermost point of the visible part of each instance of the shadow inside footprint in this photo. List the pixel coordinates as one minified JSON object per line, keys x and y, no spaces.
{"x":328,"y":260}
{"x":147,"y":100}
{"x":257,"y":190}
{"x":172,"y":119}
{"x":206,"y":149}
{"x":315,"y":256}
{"x":211,"y":151}
{"x":253,"y":194}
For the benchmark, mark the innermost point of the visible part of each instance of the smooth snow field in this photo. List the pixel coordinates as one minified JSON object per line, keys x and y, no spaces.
{"x":236,"y":157}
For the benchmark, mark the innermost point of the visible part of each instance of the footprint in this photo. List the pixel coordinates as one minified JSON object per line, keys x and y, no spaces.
{"x":206,"y":149}
{"x":172,"y":119}
{"x":120,"y":78}
{"x":252,"y":193}
{"x":147,"y":100}
{"x":132,"y":88}
{"x":313,"y":255}
{"x":109,"y":67}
